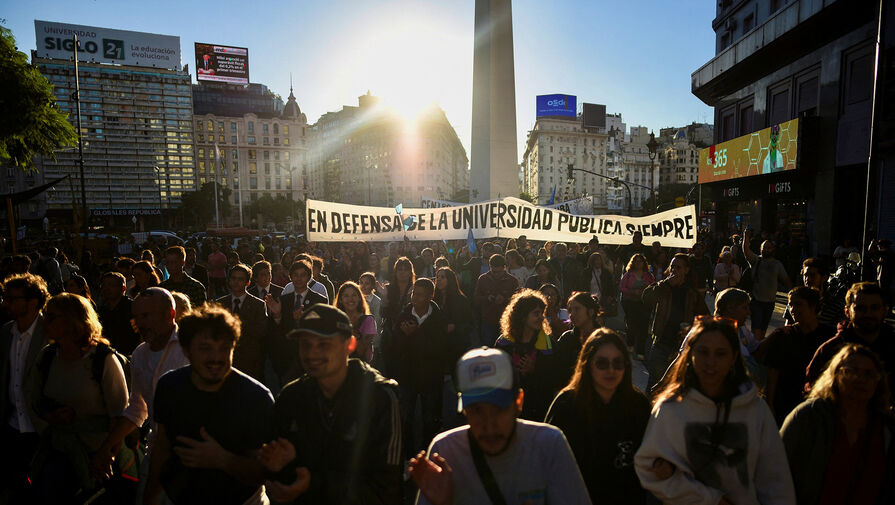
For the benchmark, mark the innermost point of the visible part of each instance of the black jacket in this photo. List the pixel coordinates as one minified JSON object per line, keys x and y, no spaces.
{"x":417,"y":359}
{"x":604,"y":442}
{"x":351,"y":444}
{"x":608,"y":283}
{"x":283,"y":351}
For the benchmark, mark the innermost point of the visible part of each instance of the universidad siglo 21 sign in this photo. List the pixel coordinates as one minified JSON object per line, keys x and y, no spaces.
{"x":773,"y":149}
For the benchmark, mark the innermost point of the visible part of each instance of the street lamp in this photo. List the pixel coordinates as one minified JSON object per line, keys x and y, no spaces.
{"x":653,"y":148}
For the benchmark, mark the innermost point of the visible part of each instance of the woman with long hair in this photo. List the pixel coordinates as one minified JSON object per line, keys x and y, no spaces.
{"x":524,"y":335}
{"x":710,"y":424}
{"x":144,"y":277}
{"x":76,"y":284}
{"x":397,"y":291}
{"x":455,"y":306}
{"x":79,"y":388}
{"x":586,"y":316}
{"x":635,"y":279}
{"x":557,"y":325}
{"x":352,"y":302}
{"x":604,"y":417}
{"x":839,"y":442}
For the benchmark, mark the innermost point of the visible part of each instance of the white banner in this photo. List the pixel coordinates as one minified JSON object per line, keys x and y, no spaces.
{"x":582,"y":206}
{"x":105,"y":45}
{"x":504,"y":218}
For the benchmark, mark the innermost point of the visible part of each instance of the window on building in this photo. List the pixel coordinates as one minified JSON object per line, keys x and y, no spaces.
{"x":210,"y":125}
{"x":253,"y":167}
{"x":778,"y":104}
{"x":222,"y":139}
{"x":233,"y":126}
{"x":276,"y":129}
{"x":251,"y":127}
{"x":266,"y":141}
{"x":286,"y":141}
{"x":233,"y":139}
{"x":267,"y":183}
{"x":235,"y":166}
{"x":265,"y":128}
{"x":285,"y":129}
{"x":728,"y":124}
{"x":748,"y":23}
{"x":266,"y":155}
{"x":725,"y":40}
{"x":201,"y":152}
{"x":746,"y":119}
{"x":253,"y":184}
{"x":279,"y":183}
{"x":200,"y":125}
{"x":267,"y":168}
{"x":276,"y":141}
{"x":253,"y":154}
{"x":220,"y":126}
{"x":807,"y":90}
{"x":286,"y":155}
{"x":251,"y":140}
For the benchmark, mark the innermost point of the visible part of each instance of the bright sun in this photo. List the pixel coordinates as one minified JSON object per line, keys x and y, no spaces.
{"x":408,"y":63}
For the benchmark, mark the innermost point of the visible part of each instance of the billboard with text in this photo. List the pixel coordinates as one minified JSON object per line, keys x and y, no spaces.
{"x":105,"y":45}
{"x":222,"y":63}
{"x":557,"y":105}
{"x":773,"y":149}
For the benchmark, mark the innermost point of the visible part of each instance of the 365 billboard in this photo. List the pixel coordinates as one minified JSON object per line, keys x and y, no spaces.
{"x":222,"y":63}
{"x":105,"y":45}
{"x":557,"y":105}
{"x":773,"y":149}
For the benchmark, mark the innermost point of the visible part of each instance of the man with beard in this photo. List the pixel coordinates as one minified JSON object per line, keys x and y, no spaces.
{"x":211,"y":419}
{"x":866,"y":309}
{"x":496,"y":455}
{"x":159,"y":353}
{"x":768,"y":273}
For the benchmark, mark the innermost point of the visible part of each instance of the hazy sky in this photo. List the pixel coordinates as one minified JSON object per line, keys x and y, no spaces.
{"x":635,"y":57}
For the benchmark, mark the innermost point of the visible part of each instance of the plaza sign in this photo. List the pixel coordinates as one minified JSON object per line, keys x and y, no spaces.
{"x":105,"y":45}
{"x":773,"y":149}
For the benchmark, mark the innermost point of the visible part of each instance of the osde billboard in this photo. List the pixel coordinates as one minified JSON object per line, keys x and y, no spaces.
{"x":557,"y":105}
{"x":222,"y":63}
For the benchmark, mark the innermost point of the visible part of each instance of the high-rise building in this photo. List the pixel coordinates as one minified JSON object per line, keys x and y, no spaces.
{"x":138,"y":141}
{"x":555,"y":142}
{"x":368,"y":155}
{"x":249,"y":142}
{"x":817,"y":63}
{"x":137,"y":134}
{"x":678,"y":160}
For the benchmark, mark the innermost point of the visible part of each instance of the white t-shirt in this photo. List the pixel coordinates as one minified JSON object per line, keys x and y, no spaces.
{"x":537,"y":467}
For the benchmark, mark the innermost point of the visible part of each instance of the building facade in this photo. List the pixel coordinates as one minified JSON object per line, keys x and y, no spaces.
{"x":368,"y":155}
{"x":556,"y":142}
{"x":249,"y":142}
{"x":678,"y":160}
{"x":137,"y":142}
{"x":779,"y":60}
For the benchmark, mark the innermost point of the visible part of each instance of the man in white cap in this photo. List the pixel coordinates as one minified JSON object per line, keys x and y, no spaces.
{"x":496,"y":458}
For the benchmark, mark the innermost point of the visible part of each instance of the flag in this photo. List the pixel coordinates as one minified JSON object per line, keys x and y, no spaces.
{"x":552,"y":195}
{"x":470,"y":242}
{"x":409,"y":221}
{"x":399,"y":209}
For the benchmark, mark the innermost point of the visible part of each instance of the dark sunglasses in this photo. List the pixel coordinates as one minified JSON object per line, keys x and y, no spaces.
{"x":604,"y":363}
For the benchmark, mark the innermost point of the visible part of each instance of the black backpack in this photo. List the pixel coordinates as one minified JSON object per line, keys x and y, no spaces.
{"x":97,"y":365}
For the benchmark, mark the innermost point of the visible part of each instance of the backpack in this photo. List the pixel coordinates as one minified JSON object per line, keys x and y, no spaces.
{"x":747,"y":280}
{"x":97,"y":365}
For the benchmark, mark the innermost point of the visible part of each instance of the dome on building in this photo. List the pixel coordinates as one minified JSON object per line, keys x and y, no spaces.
{"x":292,"y":109}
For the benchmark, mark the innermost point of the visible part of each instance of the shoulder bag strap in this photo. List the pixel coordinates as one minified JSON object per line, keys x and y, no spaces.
{"x":484,"y":471}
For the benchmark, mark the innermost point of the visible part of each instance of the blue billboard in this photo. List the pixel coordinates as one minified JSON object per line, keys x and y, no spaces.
{"x":557,"y":105}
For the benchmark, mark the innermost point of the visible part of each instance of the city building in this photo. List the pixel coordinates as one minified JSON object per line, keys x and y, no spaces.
{"x":699,"y":134}
{"x":813,"y":62}
{"x":136,"y":127}
{"x":250,"y":142}
{"x":678,"y":160}
{"x":369,"y":155}
{"x":555,"y":142}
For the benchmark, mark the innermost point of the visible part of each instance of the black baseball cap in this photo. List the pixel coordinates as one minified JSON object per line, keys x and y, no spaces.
{"x":323,"y":320}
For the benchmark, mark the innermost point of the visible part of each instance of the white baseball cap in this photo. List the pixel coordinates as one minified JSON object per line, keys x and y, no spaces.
{"x":485,"y":375}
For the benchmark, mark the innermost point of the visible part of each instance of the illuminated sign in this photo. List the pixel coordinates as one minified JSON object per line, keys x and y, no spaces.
{"x":222,"y":63}
{"x":557,"y":105}
{"x":774,"y":149}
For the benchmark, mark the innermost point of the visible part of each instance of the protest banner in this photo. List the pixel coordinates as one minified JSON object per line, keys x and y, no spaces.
{"x":503,"y":218}
{"x":582,"y":206}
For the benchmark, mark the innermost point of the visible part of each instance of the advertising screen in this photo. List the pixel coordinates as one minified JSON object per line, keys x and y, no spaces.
{"x":105,"y":45}
{"x":594,"y":115}
{"x":557,"y":105}
{"x":767,"y":151}
{"x":222,"y":63}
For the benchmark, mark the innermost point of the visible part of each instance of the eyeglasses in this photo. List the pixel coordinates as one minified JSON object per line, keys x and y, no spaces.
{"x":605,"y":363}
{"x":853,"y":373}
{"x":716,"y":319}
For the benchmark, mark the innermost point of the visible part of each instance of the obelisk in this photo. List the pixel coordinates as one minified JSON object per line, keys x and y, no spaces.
{"x":494,"y":165}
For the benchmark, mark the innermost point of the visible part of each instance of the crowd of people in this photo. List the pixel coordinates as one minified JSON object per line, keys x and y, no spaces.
{"x":503,"y":372}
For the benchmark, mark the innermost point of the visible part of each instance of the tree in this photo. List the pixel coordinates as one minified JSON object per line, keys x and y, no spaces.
{"x":528,"y":198}
{"x":200,"y":203}
{"x":30,"y":124}
{"x":272,"y":209}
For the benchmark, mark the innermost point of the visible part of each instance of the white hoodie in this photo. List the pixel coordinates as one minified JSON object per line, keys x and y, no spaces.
{"x":747,"y":462}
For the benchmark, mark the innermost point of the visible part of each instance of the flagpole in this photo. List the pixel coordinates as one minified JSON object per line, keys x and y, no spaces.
{"x":217,"y":215}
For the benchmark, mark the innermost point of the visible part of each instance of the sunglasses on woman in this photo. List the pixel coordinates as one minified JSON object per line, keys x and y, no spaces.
{"x":605,"y":363}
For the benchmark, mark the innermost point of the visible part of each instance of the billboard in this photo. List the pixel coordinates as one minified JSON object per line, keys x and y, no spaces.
{"x":222,"y":63}
{"x":104,"y":45}
{"x":774,"y":149}
{"x":557,"y":105}
{"x":594,"y":115}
